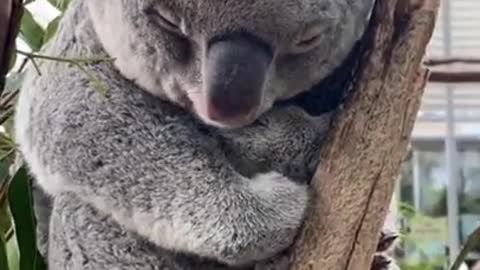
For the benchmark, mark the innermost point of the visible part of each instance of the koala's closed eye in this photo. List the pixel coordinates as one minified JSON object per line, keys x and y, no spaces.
{"x":309,"y":39}
{"x":166,"y":19}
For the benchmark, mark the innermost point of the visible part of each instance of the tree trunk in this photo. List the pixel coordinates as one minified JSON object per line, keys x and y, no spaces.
{"x":368,"y":139}
{"x":10,"y":15}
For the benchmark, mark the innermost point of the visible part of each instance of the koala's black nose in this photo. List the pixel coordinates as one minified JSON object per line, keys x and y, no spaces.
{"x":235,"y":71}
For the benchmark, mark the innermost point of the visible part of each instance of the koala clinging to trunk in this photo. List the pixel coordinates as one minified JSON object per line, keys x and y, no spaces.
{"x":188,"y":164}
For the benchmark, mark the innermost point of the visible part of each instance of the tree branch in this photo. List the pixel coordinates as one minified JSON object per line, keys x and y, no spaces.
{"x":454,"y":76}
{"x":472,"y":240}
{"x":451,"y":60}
{"x":368,"y":139}
{"x":10,"y":15}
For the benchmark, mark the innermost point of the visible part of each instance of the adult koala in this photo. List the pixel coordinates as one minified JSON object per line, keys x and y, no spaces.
{"x":185,"y":165}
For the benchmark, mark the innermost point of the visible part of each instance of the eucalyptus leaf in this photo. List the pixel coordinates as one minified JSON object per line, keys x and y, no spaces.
{"x":51,"y":29}
{"x":8,"y":236}
{"x":12,"y":254}
{"x":60,"y":4}
{"x":407,"y":210}
{"x":4,"y":174}
{"x":21,"y":205}
{"x":13,"y":60}
{"x":14,"y":81}
{"x":9,"y":125}
{"x":5,"y":219}
{"x":31,"y":32}
{"x":3,"y":254}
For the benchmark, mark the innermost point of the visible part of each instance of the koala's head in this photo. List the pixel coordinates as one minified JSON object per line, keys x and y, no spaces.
{"x":228,"y":60}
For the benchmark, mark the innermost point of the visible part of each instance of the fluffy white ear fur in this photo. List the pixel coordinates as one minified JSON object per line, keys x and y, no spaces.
{"x":116,"y":36}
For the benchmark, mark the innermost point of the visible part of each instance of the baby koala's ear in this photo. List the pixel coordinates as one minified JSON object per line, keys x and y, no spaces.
{"x":297,"y":170}
{"x":322,"y":122}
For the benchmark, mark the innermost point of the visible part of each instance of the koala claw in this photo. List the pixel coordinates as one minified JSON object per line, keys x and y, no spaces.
{"x":386,"y":242}
{"x":381,"y":260}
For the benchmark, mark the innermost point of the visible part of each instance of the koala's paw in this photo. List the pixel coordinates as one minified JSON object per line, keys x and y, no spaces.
{"x":382,"y":261}
{"x":279,"y":262}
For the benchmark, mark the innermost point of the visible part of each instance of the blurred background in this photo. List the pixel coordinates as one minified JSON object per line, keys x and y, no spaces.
{"x":437,"y":197}
{"x":439,"y":189}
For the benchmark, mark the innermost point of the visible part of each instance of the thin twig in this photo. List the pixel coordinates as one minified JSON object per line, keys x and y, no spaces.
{"x":6,"y":115}
{"x":35,"y":65}
{"x":8,"y":97}
{"x":94,"y":60}
{"x":454,"y":76}
{"x":6,"y":155}
{"x":10,"y":28}
{"x":76,"y":62}
{"x":22,"y":66}
{"x":5,"y":140}
{"x":453,"y":60}
{"x":98,"y":84}
{"x":472,"y":240}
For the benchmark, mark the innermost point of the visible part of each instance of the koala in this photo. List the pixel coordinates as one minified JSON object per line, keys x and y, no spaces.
{"x":187,"y":163}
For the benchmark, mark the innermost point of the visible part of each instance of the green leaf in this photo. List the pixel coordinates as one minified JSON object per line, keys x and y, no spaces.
{"x":7,"y":233}
{"x":3,"y":254}
{"x":13,"y":60}
{"x":12,"y":254}
{"x":9,"y":126}
{"x":5,"y":219}
{"x":21,"y":206}
{"x":51,"y":29}
{"x":60,"y":4}
{"x":4,"y":174}
{"x":407,"y":210}
{"x":31,"y":32}
{"x":14,"y":81}
{"x":6,"y":227}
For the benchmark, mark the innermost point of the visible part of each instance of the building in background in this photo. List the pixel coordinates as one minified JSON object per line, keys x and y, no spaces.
{"x":441,"y":179}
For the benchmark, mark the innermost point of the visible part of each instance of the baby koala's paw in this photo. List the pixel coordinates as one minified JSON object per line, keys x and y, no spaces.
{"x":382,"y":261}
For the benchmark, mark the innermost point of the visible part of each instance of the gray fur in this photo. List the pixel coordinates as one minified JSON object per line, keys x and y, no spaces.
{"x":143,"y":179}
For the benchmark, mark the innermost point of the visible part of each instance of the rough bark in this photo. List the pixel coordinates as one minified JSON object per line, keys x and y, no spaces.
{"x":368,"y":139}
{"x":10,"y":15}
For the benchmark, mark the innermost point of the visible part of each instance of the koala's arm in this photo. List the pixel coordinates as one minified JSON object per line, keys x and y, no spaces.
{"x":153,"y":168}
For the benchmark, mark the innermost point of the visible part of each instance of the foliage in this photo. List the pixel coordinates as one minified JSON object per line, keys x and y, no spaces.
{"x":17,"y":221}
{"x":408,"y":213}
{"x":419,"y":266}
